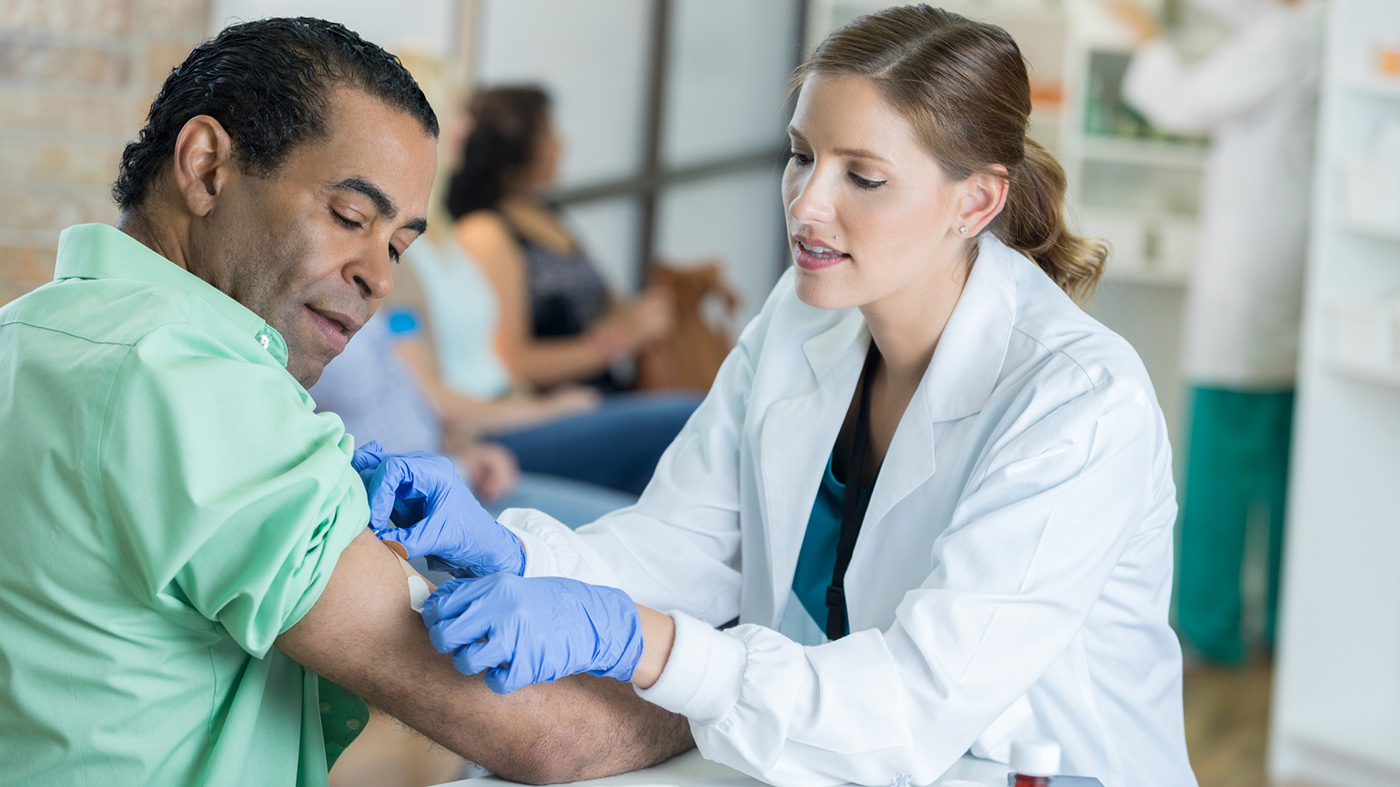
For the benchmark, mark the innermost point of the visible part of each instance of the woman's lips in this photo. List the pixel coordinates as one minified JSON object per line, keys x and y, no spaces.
{"x":814,"y":256}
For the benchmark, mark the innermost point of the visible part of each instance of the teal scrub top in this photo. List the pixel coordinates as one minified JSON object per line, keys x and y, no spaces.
{"x":172,"y":504}
{"x":817,"y":559}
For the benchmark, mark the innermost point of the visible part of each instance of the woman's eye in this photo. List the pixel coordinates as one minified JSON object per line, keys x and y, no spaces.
{"x":866,"y":184}
{"x":393,"y":254}
{"x":801,"y":158}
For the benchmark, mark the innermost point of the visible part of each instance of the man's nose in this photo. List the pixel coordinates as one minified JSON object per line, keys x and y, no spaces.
{"x":372,"y":272}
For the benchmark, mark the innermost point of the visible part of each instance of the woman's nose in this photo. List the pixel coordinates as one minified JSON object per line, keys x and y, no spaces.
{"x":811,"y":203}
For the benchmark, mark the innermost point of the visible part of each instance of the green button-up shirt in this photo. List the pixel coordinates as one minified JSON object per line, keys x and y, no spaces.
{"x":171,"y":504}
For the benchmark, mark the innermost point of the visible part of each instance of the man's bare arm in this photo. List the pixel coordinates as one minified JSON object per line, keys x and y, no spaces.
{"x":362,"y":635}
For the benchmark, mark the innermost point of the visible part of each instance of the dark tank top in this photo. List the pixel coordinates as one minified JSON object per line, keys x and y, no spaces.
{"x":567,"y":294}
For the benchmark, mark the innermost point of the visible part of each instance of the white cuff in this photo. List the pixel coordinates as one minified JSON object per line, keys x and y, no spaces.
{"x":539,"y":558}
{"x":703,"y":675}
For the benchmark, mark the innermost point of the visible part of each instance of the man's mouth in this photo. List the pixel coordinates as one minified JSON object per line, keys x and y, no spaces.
{"x":336,"y":328}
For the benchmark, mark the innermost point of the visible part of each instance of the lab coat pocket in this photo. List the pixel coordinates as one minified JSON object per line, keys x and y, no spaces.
{"x":995,"y":742}
{"x":852,"y":699}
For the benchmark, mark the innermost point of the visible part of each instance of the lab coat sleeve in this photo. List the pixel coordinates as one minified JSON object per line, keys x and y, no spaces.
{"x":677,"y":548}
{"x":1197,"y":97}
{"x":1046,"y":516}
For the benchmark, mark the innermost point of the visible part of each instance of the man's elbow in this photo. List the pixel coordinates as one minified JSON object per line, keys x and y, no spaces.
{"x":562,"y":752}
{"x":556,"y":755}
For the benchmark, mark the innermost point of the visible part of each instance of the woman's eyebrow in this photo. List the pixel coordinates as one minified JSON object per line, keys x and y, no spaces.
{"x":847,"y":152}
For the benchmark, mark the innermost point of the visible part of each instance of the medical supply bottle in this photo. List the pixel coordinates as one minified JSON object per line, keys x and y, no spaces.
{"x":1034,"y":763}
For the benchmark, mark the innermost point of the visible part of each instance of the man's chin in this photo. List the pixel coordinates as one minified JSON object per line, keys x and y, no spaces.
{"x":308,"y":370}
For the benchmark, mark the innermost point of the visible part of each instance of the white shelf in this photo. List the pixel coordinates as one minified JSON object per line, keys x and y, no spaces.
{"x":1370,"y":229}
{"x":1372,"y":84}
{"x":1377,"y":745}
{"x":1376,"y":375}
{"x":1146,"y":153}
{"x":1337,"y":683}
{"x":1130,"y":273}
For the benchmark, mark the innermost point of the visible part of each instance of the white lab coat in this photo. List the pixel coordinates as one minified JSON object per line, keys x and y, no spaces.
{"x":1011,"y":579}
{"x":1256,"y":95}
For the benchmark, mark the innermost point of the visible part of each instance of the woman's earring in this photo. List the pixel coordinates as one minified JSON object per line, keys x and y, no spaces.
{"x":963,"y":229}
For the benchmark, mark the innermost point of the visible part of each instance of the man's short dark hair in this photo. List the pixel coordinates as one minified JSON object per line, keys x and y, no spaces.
{"x":268,"y":83}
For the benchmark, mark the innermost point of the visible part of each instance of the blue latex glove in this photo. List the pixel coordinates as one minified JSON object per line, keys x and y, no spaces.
{"x":418,"y":500}
{"x":523,"y":631}
{"x":367,"y":457}
{"x":365,"y":461}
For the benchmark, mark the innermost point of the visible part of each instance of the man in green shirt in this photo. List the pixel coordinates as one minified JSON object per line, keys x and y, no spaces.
{"x":185,"y":544}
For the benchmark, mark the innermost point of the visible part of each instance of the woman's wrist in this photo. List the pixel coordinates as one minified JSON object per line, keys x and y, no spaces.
{"x":609,"y":340}
{"x":658,"y":635}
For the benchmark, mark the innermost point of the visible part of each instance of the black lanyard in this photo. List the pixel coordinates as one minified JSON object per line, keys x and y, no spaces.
{"x":852,"y":506}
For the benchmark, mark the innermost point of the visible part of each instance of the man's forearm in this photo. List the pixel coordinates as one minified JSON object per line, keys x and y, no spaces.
{"x":609,"y":730}
{"x":362,"y":634}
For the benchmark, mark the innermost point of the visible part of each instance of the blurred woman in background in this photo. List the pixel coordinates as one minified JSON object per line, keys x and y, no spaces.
{"x":558,"y":323}
{"x":570,"y":430}
{"x":1256,"y":96}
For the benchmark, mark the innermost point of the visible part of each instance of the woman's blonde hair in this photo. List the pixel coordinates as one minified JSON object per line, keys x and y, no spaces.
{"x":963,"y":86}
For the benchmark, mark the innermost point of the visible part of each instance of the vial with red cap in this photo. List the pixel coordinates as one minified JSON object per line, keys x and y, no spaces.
{"x":1034,"y":763}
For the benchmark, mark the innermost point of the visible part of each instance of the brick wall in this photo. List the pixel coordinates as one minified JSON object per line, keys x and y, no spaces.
{"x":76,"y":79}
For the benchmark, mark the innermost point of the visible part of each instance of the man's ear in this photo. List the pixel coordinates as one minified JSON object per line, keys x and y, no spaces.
{"x":983,"y":195}
{"x":203,"y":163}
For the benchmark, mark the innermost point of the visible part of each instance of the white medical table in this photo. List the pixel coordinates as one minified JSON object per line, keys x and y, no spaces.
{"x":692,"y":770}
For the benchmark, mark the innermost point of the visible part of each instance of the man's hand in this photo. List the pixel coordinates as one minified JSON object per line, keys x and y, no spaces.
{"x":417,"y":500}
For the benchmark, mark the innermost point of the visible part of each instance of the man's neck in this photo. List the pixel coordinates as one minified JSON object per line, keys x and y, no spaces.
{"x":136,"y":224}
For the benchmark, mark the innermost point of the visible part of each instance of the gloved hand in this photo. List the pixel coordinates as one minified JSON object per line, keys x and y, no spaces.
{"x":367,"y":457}
{"x":535,"y":630}
{"x":418,"y":500}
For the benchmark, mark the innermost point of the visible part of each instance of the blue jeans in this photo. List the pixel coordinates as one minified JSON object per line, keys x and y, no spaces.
{"x":572,"y":502}
{"x":617,"y":445}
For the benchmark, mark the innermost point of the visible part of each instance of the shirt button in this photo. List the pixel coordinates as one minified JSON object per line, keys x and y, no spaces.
{"x":353,"y":724}
{"x":264,"y":341}
{"x":325,"y":707}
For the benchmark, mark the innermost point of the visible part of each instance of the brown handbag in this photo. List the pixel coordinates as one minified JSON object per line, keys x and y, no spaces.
{"x":690,"y":357}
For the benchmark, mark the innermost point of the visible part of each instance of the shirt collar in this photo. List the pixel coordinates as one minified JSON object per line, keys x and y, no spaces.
{"x":967,"y":364}
{"x":99,"y":251}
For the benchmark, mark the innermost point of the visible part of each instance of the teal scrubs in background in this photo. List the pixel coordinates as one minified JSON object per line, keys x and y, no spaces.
{"x":1237,"y":465}
{"x":172,"y":504}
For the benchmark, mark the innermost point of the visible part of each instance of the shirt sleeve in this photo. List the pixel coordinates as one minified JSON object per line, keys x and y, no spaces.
{"x":229,"y":498}
{"x":1037,"y":533}
{"x":1197,"y":97}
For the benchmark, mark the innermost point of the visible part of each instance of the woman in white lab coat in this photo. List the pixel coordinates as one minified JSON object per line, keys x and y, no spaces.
{"x":1256,"y":95}
{"x":1012,"y":574}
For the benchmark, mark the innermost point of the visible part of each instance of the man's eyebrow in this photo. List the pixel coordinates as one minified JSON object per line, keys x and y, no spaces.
{"x":381,"y":201}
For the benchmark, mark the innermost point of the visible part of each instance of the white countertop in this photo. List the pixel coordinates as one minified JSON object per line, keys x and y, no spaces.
{"x":692,"y":770}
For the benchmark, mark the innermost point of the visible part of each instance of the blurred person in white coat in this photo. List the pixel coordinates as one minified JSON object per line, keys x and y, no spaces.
{"x":1000,"y":568}
{"x":1256,"y":96}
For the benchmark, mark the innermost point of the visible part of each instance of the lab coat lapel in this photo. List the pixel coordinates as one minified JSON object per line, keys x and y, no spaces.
{"x":959,"y":379}
{"x":796,"y":439}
